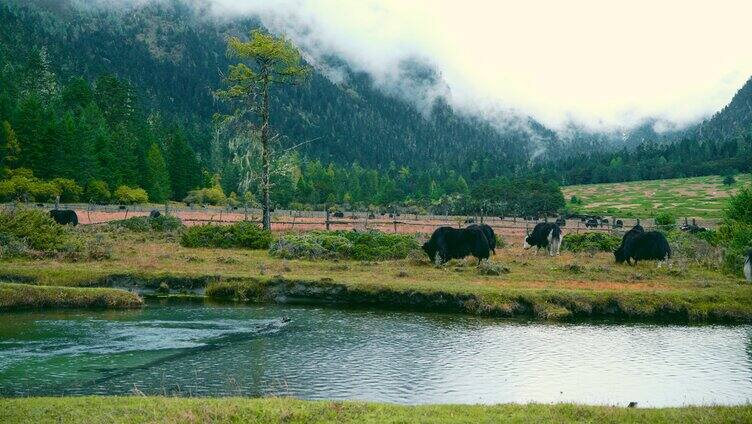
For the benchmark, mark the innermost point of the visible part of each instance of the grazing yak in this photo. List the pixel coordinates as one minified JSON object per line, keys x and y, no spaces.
{"x":545,"y":234}
{"x":561,"y":222}
{"x":339,"y":214}
{"x":618,"y":223}
{"x":644,"y":246}
{"x":748,"y":266}
{"x":628,"y":236}
{"x":591,"y":223}
{"x":64,"y":216}
{"x":489,"y":233}
{"x":154,"y":214}
{"x":455,"y":243}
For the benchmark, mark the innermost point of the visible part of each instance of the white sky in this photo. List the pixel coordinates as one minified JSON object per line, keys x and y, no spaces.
{"x":597,"y":62}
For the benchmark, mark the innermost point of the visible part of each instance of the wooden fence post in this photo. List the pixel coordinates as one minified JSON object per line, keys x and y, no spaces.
{"x":395,"y":224}
{"x":327,"y":220}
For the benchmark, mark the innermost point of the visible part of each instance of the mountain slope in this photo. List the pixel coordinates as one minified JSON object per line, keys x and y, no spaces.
{"x":175,"y":55}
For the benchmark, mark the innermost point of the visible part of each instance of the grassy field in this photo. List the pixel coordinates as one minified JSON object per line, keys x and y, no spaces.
{"x":285,"y":410}
{"x":538,"y":286}
{"x":699,"y":197}
{"x":24,"y":296}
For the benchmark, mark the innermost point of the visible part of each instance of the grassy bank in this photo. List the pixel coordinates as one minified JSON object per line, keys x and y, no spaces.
{"x":24,"y":296}
{"x":573,"y":285}
{"x":701,"y":197}
{"x":276,"y":410}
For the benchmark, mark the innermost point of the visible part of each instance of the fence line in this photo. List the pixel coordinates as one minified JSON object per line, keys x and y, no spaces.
{"x":360,"y":219}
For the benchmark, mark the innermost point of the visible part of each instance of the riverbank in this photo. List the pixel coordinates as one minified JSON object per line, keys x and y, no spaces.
{"x":570,"y":286}
{"x":275,"y":410}
{"x":23,"y":296}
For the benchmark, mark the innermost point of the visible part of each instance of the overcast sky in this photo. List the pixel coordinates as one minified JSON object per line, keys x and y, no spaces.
{"x":598,"y":62}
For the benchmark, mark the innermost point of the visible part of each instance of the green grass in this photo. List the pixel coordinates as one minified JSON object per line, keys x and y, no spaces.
{"x":23,"y":296}
{"x":700,"y":197}
{"x":573,"y":285}
{"x":108,"y":410}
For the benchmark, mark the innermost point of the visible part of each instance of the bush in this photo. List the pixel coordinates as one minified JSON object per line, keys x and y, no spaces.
{"x":144,"y":224}
{"x":207,"y":196}
{"x":698,"y":248}
{"x":69,"y":190}
{"x":242,"y":235}
{"x":665,"y":219}
{"x":367,"y":246}
{"x":735,"y":233}
{"x":590,"y":242}
{"x":35,"y":229}
{"x":130,"y":195}
{"x":18,"y":185}
{"x":97,"y":191}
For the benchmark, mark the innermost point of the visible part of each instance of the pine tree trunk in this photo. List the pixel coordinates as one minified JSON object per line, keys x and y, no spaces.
{"x":266,"y":221}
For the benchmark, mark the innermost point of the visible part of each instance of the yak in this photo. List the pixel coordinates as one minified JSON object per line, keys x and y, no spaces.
{"x":64,"y":216}
{"x":455,"y":243}
{"x":645,"y":246}
{"x":489,"y":233}
{"x":545,"y":234}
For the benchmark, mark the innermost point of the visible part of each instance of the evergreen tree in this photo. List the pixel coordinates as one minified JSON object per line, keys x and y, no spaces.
{"x":157,"y":178}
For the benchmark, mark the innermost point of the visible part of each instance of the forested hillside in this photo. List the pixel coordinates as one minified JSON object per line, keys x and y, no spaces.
{"x":122,"y":96}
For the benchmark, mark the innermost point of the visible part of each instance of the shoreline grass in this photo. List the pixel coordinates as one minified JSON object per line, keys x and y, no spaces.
{"x":288,"y":410}
{"x":15,"y":297}
{"x":570,"y":286}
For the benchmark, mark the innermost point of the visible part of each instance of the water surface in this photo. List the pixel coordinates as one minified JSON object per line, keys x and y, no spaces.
{"x":200,"y":349}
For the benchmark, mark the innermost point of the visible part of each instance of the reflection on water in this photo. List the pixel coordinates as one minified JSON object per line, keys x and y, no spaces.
{"x":197,"y":349}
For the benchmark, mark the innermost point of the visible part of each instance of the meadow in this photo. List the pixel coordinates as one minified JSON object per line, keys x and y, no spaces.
{"x":516,"y":282}
{"x":698,"y":197}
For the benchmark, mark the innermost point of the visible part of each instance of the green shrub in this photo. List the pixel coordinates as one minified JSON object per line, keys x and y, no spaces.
{"x":367,"y":246}
{"x":735,"y":233}
{"x":697,"y":248}
{"x":13,"y":247}
{"x":144,"y":224}
{"x":130,"y":195}
{"x":242,"y":235}
{"x":35,"y":228}
{"x":207,"y":196}
{"x":665,"y":219}
{"x":19,"y":185}
{"x":69,"y":190}
{"x":97,"y":191}
{"x":590,"y":242}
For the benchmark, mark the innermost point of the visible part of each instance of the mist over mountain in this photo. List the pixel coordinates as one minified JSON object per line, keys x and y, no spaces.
{"x":173,"y":53}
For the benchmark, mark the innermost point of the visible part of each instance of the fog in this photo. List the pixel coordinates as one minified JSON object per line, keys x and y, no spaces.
{"x":596,"y":64}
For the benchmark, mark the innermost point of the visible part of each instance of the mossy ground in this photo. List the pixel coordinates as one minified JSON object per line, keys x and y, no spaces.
{"x":571,"y":285}
{"x":93,"y":410}
{"x":700,"y":197}
{"x":24,"y":296}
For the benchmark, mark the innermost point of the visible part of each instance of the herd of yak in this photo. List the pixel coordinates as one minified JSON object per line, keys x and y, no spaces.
{"x":448,"y":243}
{"x":479,"y":240}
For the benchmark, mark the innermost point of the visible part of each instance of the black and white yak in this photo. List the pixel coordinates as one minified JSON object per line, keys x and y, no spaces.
{"x":546,"y":235}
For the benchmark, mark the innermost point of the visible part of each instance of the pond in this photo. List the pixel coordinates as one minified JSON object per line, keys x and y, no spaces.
{"x":200,"y":349}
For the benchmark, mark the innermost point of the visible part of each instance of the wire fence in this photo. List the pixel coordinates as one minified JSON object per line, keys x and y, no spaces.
{"x":297,"y":220}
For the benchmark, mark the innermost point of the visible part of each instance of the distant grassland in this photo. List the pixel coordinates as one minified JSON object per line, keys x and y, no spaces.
{"x":699,"y":197}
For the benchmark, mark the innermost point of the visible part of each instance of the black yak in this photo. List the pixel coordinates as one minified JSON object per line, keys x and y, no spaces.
{"x":64,"y":216}
{"x":455,"y":243}
{"x":646,"y":246}
{"x":489,"y":233}
{"x":629,"y":235}
{"x":545,"y":234}
{"x":154,"y":214}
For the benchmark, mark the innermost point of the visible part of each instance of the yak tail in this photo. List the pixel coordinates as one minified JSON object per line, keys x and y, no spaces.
{"x":554,"y":241}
